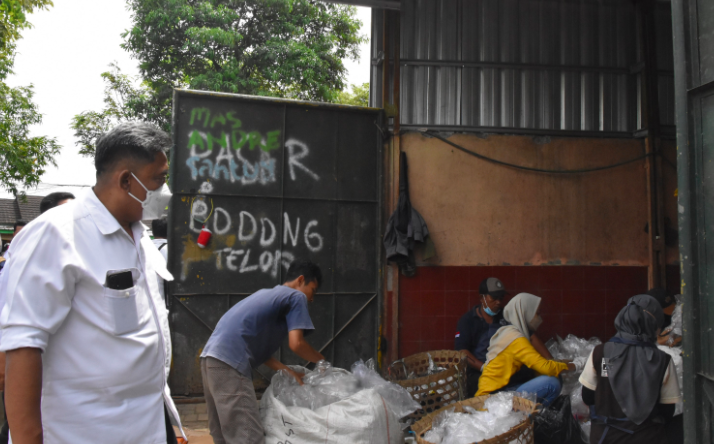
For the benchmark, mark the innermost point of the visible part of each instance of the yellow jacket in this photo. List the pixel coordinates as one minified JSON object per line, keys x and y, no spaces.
{"x":520,"y":352}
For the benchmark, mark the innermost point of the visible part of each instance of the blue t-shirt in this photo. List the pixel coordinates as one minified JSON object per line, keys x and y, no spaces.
{"x":253,"y":329}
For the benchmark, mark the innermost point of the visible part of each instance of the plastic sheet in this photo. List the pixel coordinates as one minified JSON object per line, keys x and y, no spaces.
{"x":322,"y":387}
{"x":585,"y":427}
{"x":433,"y":369}
{"x":474,"y":426}
{"x":674,"y":329}
{"x":573,"y":348}
{"x":396,"y":397}
{"x":327,"y":385}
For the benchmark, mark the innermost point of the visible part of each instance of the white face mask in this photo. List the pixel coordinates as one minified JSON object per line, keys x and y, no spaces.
{"x":155,"y":202}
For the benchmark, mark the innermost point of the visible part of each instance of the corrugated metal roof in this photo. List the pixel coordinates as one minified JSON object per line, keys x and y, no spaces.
{"x":525,"y":64}
{"x":383,"y":4}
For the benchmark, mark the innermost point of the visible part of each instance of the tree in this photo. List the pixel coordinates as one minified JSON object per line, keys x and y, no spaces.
{"x":123,"y":102}
{"x":358,"y":97}
{"x":13,"y":19}
{"x":24,"y":158}
{"x":282,"y":48}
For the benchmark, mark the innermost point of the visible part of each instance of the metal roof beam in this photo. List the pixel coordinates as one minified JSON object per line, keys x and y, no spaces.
{"x":381,"y":4}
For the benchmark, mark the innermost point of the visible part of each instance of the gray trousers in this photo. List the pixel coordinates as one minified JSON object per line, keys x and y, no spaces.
{"x":233,"y":412}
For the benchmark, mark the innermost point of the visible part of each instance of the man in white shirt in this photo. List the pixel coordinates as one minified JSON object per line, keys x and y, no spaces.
{"x":87,"y":362}
{"x":48,"y":202}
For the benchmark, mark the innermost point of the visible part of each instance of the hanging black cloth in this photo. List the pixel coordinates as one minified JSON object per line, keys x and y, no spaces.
{"x":405,"y":227}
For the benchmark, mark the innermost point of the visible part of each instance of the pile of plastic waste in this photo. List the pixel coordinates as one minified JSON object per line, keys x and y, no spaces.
{"x":573,"y":348}
{"x":674,"y":329}
{"x":675,"y":332}
{"x":472,"y":426}
{"x":327,"y":385}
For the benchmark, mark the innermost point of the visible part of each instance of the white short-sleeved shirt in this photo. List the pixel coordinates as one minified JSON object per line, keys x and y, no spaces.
{"x":105,"y":352}
{"x":669,"y":393}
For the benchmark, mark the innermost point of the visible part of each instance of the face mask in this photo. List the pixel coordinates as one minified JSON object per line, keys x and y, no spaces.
{"x":155,"y":202}
{"x":487,"y":309}
{"x":535,"y":323}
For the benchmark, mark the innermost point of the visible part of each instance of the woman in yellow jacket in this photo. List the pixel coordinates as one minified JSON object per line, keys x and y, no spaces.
{"x":510,"y":349}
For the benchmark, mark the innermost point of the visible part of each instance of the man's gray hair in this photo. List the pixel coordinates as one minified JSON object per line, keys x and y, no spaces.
{"x":132,"y":140}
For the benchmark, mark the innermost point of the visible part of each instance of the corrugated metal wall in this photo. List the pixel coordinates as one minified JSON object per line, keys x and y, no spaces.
{"x":567,"y":65}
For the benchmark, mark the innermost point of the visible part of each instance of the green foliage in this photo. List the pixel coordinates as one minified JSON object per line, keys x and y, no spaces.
{"x":282,"y":48}
{"x":13,"y":19}
{"x":358,"y":97}
{"x":123,"y":102}
{"x":24,"y":158}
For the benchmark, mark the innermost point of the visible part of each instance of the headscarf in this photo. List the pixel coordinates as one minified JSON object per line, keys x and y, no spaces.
{"x":518,"y":313}
{"x":635,"y":366}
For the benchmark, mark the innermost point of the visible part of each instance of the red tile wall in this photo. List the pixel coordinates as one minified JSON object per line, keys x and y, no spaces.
{"x":582,"y":300}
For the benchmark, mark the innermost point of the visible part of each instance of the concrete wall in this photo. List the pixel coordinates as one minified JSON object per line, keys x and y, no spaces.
{"x":578,"y":241}
{"x":484,"y":214}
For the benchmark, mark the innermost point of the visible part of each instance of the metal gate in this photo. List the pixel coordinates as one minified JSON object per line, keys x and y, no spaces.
{"x":273,"y":180}
{"x":693,"y":29}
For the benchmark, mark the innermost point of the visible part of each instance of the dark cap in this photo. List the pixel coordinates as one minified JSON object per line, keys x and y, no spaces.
{"x":492,"y":286}
{"x":666,"y":301}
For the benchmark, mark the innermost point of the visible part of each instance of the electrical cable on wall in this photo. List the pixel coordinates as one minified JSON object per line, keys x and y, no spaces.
{"x":535,"y":170}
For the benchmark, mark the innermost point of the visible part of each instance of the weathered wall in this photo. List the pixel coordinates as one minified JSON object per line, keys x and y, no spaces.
{"x":488,"y":220}
{"x":480,"y":213}
{"x":582,"y":300}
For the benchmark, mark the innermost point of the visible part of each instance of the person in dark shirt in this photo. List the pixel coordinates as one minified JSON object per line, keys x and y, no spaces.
{"x":475,"y":328}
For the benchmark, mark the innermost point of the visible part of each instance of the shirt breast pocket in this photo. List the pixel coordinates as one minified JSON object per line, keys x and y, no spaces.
{"x":123,"y":310}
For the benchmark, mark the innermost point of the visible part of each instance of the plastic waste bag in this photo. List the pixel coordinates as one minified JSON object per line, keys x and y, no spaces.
{"x":396,"y":397}
{"x":556,"y":424}
{"x":572,"y":348}
{"x":322,"y":387}
{"x":472,"y":426}
{"x":359,"y":419}
{"x":672,"y":334}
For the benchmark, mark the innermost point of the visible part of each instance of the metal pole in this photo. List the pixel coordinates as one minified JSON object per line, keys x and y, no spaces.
{"x":686,"y":217}
{"x":655,"y":204}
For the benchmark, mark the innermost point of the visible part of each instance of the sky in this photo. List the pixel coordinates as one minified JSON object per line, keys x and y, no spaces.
{"x":63,"y":55}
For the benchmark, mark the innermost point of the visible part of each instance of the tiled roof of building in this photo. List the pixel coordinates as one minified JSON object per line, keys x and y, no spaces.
{"x":30,"y":209}
{"x":7,"y":211}
{"x":13,"y":209}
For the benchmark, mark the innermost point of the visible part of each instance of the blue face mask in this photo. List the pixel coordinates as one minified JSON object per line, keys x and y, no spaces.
{"x":488,"y":310}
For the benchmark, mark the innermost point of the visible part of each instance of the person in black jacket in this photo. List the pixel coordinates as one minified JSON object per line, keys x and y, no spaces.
{"x":475,"y":328}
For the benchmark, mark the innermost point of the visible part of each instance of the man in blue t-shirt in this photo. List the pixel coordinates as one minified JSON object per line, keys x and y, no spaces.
{"x":246,"y":337}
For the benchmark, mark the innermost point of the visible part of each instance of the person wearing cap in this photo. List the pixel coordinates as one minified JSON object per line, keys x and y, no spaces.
{"x":475,"y":328}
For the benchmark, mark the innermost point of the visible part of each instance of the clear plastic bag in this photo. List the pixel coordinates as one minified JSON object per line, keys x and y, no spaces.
{"x":474,"y":426}
{"x":397,"y":398}
{"x":326,"y":385}
{"x":674,"y":330}
{"x":433,"y":369}
{"x":580,"y":410}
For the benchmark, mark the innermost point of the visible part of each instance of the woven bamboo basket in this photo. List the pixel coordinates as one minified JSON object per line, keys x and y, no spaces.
{"x":520,"y":434}
{"x":436,"y":391}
